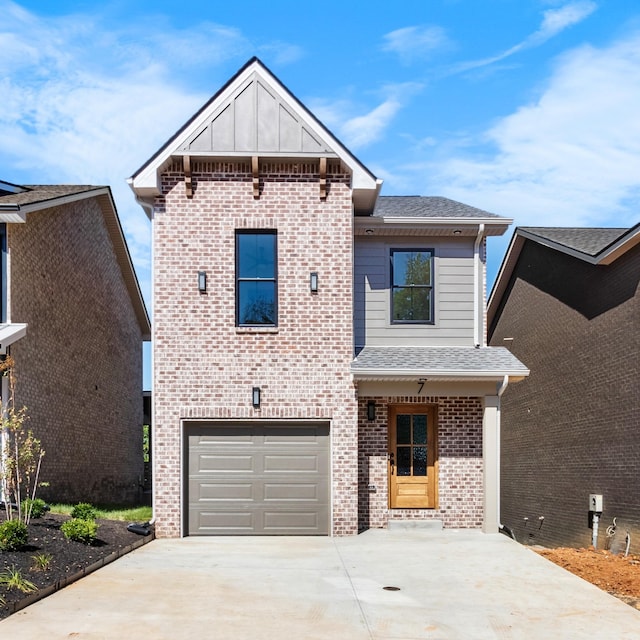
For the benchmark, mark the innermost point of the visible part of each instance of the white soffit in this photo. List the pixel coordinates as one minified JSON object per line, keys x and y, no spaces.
{"x":10,"y":333}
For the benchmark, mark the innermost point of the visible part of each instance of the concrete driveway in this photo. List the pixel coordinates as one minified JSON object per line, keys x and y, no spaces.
{"x":450,"y":584}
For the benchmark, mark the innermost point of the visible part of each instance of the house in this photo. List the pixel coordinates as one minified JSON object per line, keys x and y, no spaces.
{"x":567,"y":301}
{"x":73,"y":320}
{"x":320,"y":363}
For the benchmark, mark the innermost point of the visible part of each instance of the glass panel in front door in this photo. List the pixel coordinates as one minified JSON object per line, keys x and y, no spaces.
{"x":411,"y":444}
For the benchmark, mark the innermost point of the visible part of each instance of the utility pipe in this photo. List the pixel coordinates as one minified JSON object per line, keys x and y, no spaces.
{"x":476,"y":285}
{"x":594,"y":536}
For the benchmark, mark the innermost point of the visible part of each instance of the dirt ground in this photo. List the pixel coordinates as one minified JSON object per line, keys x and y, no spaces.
{"x":67,"y":558}
{"x":615,"y":574}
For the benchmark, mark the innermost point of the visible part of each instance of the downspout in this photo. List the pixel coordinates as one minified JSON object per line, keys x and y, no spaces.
{"x":476,"y":286}
{"x":152,"y":426}
{"x":501,"y":389}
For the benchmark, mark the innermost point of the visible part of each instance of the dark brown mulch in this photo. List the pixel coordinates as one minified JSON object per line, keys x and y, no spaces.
{"x":70,"y":560}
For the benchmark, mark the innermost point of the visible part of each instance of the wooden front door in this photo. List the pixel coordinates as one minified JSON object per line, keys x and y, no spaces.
{"x":412,"y":457}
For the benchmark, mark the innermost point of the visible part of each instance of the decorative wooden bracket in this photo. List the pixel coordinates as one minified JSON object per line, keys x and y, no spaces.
{"x":188,"y":185}
{"x":256,"y":177}
{"x":323,"y":178}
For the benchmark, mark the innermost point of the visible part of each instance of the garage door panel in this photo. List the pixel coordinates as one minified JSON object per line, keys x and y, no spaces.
{"x":290,"y":492}
{"x":267,"y":479}
{"x":291,"y":522}
{"x":225,"y":463}
{"x":212,"y":522}
{"x":291,"y":463}
{"x":203,"y":491}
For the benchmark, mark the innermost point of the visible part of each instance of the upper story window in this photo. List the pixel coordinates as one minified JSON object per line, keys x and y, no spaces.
{"x":256,"y":278}
{"x":412,"y":286}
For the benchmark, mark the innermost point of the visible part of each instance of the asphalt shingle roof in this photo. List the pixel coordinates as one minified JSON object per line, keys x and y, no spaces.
{"x":35,"y":193}
{"x":589,"y":241}
{"x":426,"y":207}
{"x":439,"y":361}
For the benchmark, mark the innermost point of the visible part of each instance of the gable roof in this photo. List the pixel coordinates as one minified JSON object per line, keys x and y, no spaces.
{"x":254,"y":114}
{"x":597,"y":246}
{"x":15,"y":205}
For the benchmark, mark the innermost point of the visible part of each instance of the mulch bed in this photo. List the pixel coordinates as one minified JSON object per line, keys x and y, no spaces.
{"x":70,"y":560}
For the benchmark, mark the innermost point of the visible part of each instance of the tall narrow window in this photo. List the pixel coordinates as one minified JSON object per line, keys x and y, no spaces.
{"x":412,"y":286}
{"x":256,"y":278}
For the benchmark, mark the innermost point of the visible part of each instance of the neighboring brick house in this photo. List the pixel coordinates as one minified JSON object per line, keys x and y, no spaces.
{"x":272,"y":258}
{"x":568,"y":302}
{"x":74,"y":321}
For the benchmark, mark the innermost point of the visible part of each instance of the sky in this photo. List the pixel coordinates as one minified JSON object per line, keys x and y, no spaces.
{"x":529,"y":109}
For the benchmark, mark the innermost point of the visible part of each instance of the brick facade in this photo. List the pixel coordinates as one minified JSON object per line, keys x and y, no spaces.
{"x":79,"y":368}
{"x":571,"y":429}
{"x":459,"y":454}
{"x":205,"y":366}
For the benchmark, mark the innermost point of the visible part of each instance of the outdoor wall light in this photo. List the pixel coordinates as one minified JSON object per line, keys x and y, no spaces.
{"x":371,"y":410}
{"x":202,"y":281}
{"x":255,"y":397}
{"x":313,"y":282}
{"x":457,"y":232}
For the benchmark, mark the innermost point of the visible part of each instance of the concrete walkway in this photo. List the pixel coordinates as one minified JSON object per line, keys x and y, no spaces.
{"x":452,"y":584}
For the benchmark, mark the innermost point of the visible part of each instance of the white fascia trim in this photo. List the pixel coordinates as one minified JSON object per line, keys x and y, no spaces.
{"x":56,"y":202}
{"x":363,"y":374}
{"x":146,"y":184}
{"x":10,"y":333}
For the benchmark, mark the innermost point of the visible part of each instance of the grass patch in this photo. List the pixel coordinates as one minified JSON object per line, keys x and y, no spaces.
{"x":125,"y":514}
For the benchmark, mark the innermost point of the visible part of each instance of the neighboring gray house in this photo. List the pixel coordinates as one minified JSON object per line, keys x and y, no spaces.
{"x":73,"y":319}
{"x":320,"y":362}
{"x":567,"y":302}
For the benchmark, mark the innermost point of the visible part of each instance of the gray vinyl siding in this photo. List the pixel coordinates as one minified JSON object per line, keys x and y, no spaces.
{"x":453,"y":291}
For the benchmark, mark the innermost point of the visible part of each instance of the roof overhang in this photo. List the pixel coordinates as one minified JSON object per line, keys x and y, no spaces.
{"x":370,"y":225}
{"x":146,"y":181}
{"x":607,"y":256}
{"x":437,"y":364}
{"x":10,"y":333}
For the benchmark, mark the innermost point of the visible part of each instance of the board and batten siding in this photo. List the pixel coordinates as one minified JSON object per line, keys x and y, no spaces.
{"x":453,"y":290}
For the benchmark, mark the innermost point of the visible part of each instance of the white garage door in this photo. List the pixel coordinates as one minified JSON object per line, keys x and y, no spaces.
{"x":257,"y":479}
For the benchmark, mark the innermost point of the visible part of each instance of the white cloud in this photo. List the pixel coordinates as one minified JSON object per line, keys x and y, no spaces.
{"x":554,"y":21}
{"x":357,"y":130}
{"x":415,"y":42}
{"x":84,"y":101}
{"x":570,"y":158}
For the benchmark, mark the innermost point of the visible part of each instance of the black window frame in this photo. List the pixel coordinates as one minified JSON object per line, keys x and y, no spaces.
{"x":430,"y":287}
{"x":239,"y":280}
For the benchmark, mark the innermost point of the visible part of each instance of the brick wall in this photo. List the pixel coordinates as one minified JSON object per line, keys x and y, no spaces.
{"x":205,"y":366}
{"x":79,"y":368}
{"x":571,"y":428}
{"x":459,"y":453}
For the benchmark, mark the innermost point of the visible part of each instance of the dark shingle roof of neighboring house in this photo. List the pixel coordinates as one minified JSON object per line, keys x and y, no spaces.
{"x":595,"y":245}
{"x":426,"y":207}
{"x":437,"y":362}
{"x":590,"y":241}
{"x":35,"y":193}
{"x":16,"y":201}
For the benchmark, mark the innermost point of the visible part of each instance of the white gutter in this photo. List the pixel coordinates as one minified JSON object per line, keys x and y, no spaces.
{"x":476,"y":285}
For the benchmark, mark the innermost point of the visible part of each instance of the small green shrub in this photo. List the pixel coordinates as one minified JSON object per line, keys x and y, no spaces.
{"x":37,"y":506}
{"x":41,"y":561}
{"x":13,"y":535}
{"x":12,"y":579}
{"x":84,"y":511}
{"x":80,"y":530}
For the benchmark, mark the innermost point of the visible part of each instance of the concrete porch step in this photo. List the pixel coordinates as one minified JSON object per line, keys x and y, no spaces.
{"x":408,"y":525}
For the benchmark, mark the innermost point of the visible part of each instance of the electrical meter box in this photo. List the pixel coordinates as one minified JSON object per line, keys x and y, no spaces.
{"x":595,"y":502}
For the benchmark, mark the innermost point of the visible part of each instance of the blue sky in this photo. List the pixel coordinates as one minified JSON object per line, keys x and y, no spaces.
{"x":525,"y":108}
